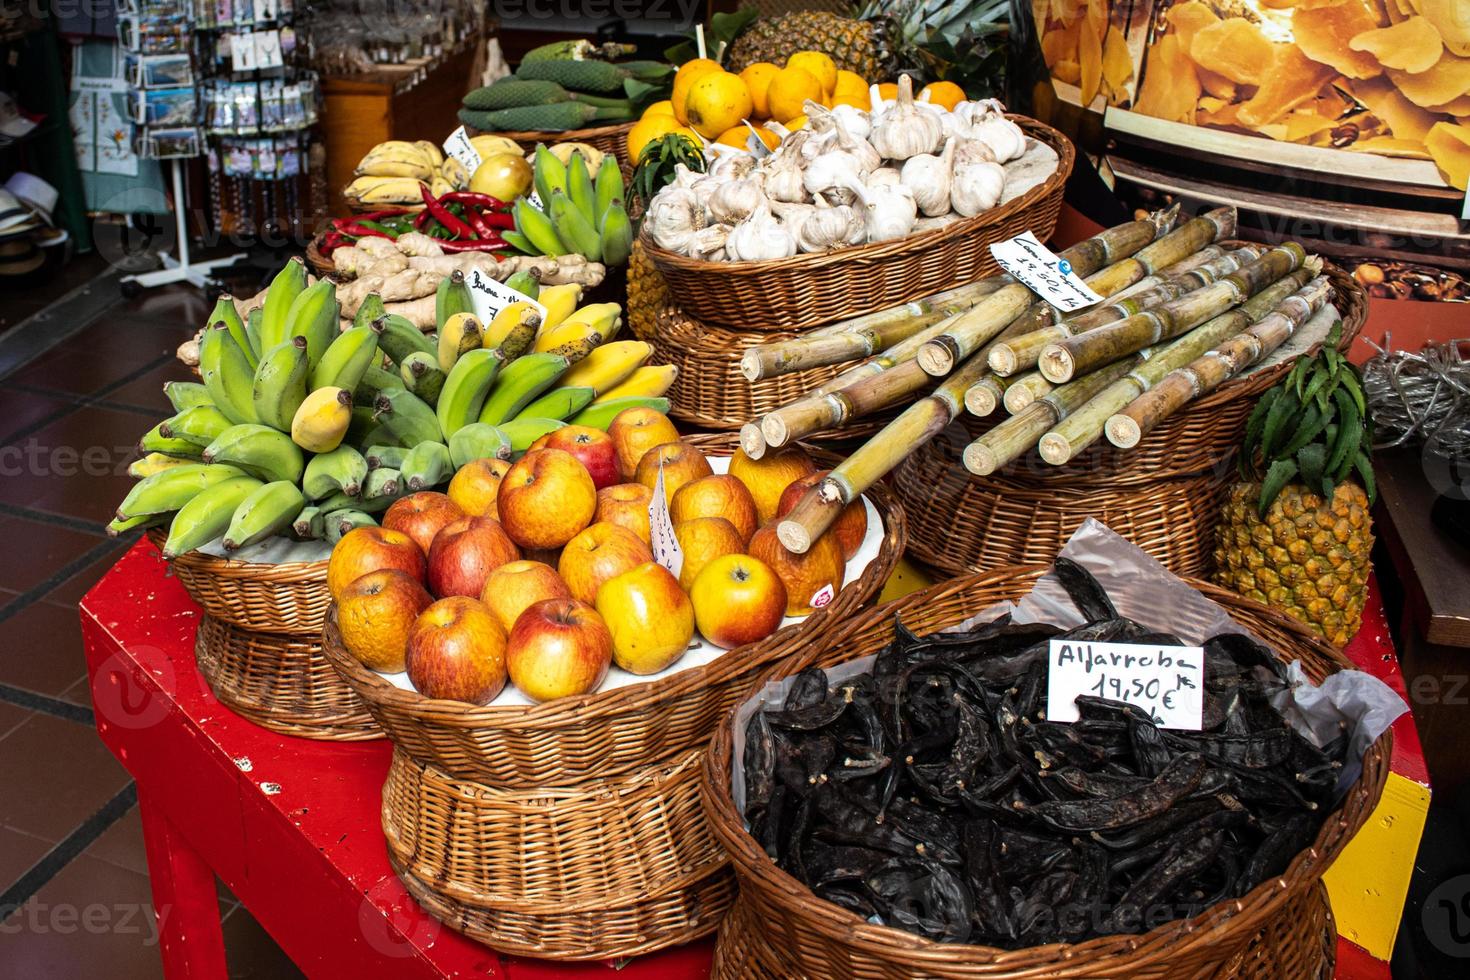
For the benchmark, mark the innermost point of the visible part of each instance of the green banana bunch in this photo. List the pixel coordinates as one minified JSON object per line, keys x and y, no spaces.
{"x":342,"y":470}
{"x":600,"y":415}
{"x":170,"y":489}
{"x":346,"y":360}
{"x":279,"y":386}
{"x":559,"y":403}
{"x":186,"y":394}
{"x":524,"y":430}
{"x":478,"y":440}
{"x":200,"y":425}
{"x":339,"y":522}
{"x":536,"y":228}
{"x":310,"y":524}
{"x":579,"y":212}
{"x":369,"y":311}
{"x":398,"y":337}
{"x":227,"y":313}
{"x":451,"y":297}
{"x":275,"y":322}
{"x":427,"y":465}
{"x":615,"y":234}
{"x":579,"y":188}
{"x":421,"y":374}
{"x":465,"y":388}
{"x":313,"y":315}
{"x":258,"y":450}
{"x":527,"y":282}
{"x":521,"y":381}
{"x":154,"y":441}
{"x":266,"y":510}
{"x":227,"y":374}
{"x":407,"y":416}
{"x":389,"y":456}
{"x":207,"y":515}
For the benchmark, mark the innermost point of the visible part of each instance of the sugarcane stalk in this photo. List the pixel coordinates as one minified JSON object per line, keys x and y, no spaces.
{"x":1022,"y":352}
{"x":834,"y":409}
{"x":1080,"y":430}
{"x":820,"y":506}
{"x":972,"y":329}
{"x":1206,"y":373}
{"x":1207,"y":254}
{"x":1025,"y":389}
{"x":1079,"y":354}
{"x":985,"y":395}
{"x":1015,"y":435}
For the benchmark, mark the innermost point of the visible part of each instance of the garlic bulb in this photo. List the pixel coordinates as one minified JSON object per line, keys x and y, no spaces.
{"x":854,"y":120}
{"x":969,"y":150}
{"x":861,"y":150}
{"x":673,"y":215}
{"x":889,"y":210}
{"x":830,"y":227}
{"x":1004,"y":137}
{"x":976,"y":187}
{"x":906,"y":130}
{"x":684,"y":177}
{"x":832,"y":175}
{"x":760,"y":238}
{"x":732,"y":166}
{"x":792,"y":216}
{"x":927,"y":177}
{"x":783,"y":171}
{"x":734,"y":200}
{"x":885,"y":175}
{"x":704,"y":243}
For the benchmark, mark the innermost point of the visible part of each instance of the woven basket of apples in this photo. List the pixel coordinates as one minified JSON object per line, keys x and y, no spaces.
{"x":549,"y":673}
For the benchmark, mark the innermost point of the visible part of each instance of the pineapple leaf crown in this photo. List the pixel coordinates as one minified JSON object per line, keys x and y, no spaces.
{"x":656,"y":166}
{"x":1314,"y":427}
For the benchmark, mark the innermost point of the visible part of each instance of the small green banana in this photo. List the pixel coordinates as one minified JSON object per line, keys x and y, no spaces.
{"x":369,"y":311}
{"x":524,"y":430}
{"x":451,"y":297}
{"x":609,"y":185}
{"x":207,"y":515}
{"x":478,"y":440}
{"x":382,"y":483}
{"x":465,"y":388}
{"x":615,"y":234}
{"x":117,"y":526}
{"x":346,"y":359}
{"x":154,"y":441}
{"x":389,"y":456}
{"x":574,"y":228}
{"x":527,"y":282}
{"x":600,"y":415}
{"x":339,"y":522}
{"x":252,"y":328}
{"x":258,"y":450}
{"x":521,"y":381}
{"x":518,"y":241}
{"x":268,"y":509}
{"x":398,"y":337}
{"x":279,"y":387}
{"x":227,"y":374}
{"x":171,"y":489}
{"x":426,"y":465}
{"x":579,"y":187}
{"x":227,"y":313}
{"x":538,"y":230}
{"x":342,"y":470}
{"x":547,"y":173}
{"x":314,"y":315}
{"x":200,"y":425}
{"x":421,"y":374}
{"x":310,"y":524}
{"x":408,"y":416}
{"x":366,"y":430}
{"x":288,"y":284}
{"x":559,"y":403}
{"x":374,"y":381}
{"x":186,"y":394}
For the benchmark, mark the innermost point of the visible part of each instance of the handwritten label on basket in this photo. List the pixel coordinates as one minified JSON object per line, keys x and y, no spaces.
{"x":460,"y":148}
{"x":661,"y":539}
{"x":490,"y":296}
{"x":1166,"y":681}
{"x":1042,"y":272}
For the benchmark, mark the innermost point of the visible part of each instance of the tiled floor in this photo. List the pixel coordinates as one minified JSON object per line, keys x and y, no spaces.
{"x":74,"y":895}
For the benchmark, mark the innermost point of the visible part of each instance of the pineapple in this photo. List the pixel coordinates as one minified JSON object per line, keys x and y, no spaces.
{"x":647,"y":291}
{"x":1300,"y":538}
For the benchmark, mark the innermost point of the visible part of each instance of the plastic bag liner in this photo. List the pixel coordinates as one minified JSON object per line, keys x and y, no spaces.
{"x":1143,"y":590}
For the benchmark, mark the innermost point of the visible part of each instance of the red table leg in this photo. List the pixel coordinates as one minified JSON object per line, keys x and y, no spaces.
{"x":185,"y":902}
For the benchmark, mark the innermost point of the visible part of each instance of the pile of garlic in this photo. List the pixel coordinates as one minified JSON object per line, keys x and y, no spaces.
{"x":850,"y":177}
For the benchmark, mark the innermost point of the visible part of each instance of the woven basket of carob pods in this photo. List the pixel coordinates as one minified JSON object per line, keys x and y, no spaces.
{"x":905,"y":799}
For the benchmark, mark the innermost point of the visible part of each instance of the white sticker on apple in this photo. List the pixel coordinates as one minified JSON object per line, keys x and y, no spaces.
{"x":822,"y":597}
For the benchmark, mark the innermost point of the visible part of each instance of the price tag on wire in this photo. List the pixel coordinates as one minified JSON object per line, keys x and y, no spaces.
{"x":662,"y":540}
{"x":490,"y":296}
{"x":1044,"y":273}
{"x":460,"y":148}
{"x":1165,"y":681}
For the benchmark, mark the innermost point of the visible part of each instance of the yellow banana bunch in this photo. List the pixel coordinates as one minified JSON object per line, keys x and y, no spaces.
{"x":487,"y":144}
{"x":431,"y":151}
{"x":607,"y":366}
{"x":601,"y":319}
{"x":453,"y":173}
{"x":399,"y":158}
{"x":646,"y":382}
{"x":384,"y":191}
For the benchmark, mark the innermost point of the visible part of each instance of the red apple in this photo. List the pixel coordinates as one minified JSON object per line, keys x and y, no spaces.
{"x":597,"y":554}
{"x":649,"y":616}
{"x":637,"y":430}
{"x":558,"y":648}
{"x":421,"y":515}
{"x":464,"y":554}
{"x":851,"y":525}
{"x":456,"y":651}
{"x":517,"y":585}
{"x":593,"y":448}
{"x":626,"y":504}
{"x":813,"y":579}
{"x":368,"y":549}
{"x":737,"y":600}
{"x":681,"y":464}
{"x":546,"y":498}
{"x":375,"y":614}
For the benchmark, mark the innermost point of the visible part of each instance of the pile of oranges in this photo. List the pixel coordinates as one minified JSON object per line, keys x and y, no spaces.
{"x":717,"y":104}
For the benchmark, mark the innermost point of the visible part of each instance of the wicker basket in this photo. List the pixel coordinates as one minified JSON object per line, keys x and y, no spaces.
{"x":809,"y":290}
{"x":609,"y":139}
{"x":280,"y":682}
{"x":290,"y":597}
{"x":617,"y":868}
{"x":612,"y":732}
{"x":824,"y":940}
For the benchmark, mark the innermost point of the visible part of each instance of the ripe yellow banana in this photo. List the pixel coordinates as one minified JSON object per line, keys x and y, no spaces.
{"x":460,"y":334}
{"x":568,"y":333}
{"x":454,"y":172}
{"x":560,"y":302}
{"x":507,"y":320}
{"x":607,"y":366}
{"x":646,"y":382}
{"x":397,"y":158}
{"x":439,"y":186}
{"x":431,"y":152}
{"x":322,"y":420}
{"x":384,"y":190}
{"x":487,"y":144}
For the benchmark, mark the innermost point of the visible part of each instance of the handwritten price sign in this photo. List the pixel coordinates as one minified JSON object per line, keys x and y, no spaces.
{"x":662,"y":542}
{"x":1039,"y":270}
{"x":1167,"y":682}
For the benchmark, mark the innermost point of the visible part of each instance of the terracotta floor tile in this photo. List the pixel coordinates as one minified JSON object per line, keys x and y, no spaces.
{"x":93,"y":919}
{"x":169,"y":305}
{"x":67,"y":771}
{"x":41,"y":648}
{"x":130,"y":340}
{"x":12,"y":716}
{"x":46,"y":548}
{"x":146,"y":390}
{"x":122,"y":844}
{"x":22,"y":409}
{"x":70,"y":592}
{"x":76,"y":465}
{"x":83,"y":371}
{"x":251,"y":953}
{"x":18,"y":854}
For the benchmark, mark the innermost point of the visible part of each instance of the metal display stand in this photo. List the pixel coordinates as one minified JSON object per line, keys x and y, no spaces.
{"x":180,"y":269}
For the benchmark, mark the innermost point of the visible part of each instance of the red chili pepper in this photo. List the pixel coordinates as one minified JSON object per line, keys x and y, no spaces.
{"x":478,"y":200}
{"x":421,"y":219}
{"x":500,"y":219}
{"x":359,"y":231}
{"x":456,"y":227}
{"x":481,"y":245}
{"x":477,"y":221}
{"x":380,"y":215}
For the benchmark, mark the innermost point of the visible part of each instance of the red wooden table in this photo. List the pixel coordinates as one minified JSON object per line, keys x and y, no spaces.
{"x":290,"y":825}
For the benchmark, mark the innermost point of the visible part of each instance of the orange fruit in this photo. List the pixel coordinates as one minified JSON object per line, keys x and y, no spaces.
{"x":650,"y":128}
{"x":888,"y":91}
{"x":716,"y":101}
{"x":684,"y":79}
{"x":789,"y":92}
{"x":757,"y":79}
{"x":796,"y":122}
{"x":849,"y":81}
{"x":736,"y":136}
{"x":858,"y":100}
{"x":664,"y":108}
{"x":821,"y":67}
{"x":947,"y":94}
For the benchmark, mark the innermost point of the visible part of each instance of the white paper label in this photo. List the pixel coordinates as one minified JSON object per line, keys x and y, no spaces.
{"x":822,"y":596}
{"x":460,"y":148}
{"x":534,"y":200}
{"x":268,"y":49}
{"x":490,"y":296}
{"x":661,"y":538}
{"x":1166,"y":681}
{"x":1043,"y":273}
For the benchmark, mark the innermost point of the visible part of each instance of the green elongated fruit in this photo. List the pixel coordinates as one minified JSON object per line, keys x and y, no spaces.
{"x":452,"y":296}
{"x":579,"y":188}
{"x":548,"y":173}
{"x":398,"y":337}
{"x":366,"y":430}
{"x":226,"y":312}
{"x":537,"y":229}
{"x":369,"y":311}
{"x":207,"y":515}
{"x":117,"y":526}
{"x":608,"y":185}
{"x":509,"y":92}
{"x":382,"y":482}
{"x":186,"y":394}
{"x":524,"y":430}
{"x":478,"y":440}
{"x":427,"y":465}
{"x":465,"y":389}
{"x":583,"y":76}
{"x":519,"y":383}
{"x":154,"y":441}
{"x":389,"y":456}
{"x":253,"y":320}
{"x":314,"y":315}
{"x":267,"y":510}
{"x":421,"y":375}
{"x":519,"y":241}
{"x":342,"y":470}
{"x":310,"y":524}
{"x":616,"y":234}
{"x":337,"y":501}
{"x":200,"y":425}
{"x":279,"y":387}
{"x":288,"y":284}
{"x":227,"y":374}
{"x":171,"y":489}
{"x":559,"y":403}
{"x":579,"y":50}
{"x":346,"y":360}
{"x":574,"y":229}
{"x":527,"y":282}
{"x":601,"y":414}
{"x":407,"y":416}
{"x":339,"y":522}
{"x":373,"y":382}
{"x":259,"y":450}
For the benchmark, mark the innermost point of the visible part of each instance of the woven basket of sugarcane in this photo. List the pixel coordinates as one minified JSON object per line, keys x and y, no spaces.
{"x":820,"y":939}
{"x":572,"y":740}
{"x":819,"y":287}
{"x":280,"y":682}
{"x":288,"y":597}
{"x":609,"y":139}
{"x":620,"y":867}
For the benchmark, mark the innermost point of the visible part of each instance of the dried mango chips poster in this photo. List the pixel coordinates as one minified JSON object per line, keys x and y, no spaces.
{"x":1386,"y":77}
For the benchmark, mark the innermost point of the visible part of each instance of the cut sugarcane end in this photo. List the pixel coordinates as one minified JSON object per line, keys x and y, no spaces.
{"x":1018,"y":397}
{"x":1056,"y":364}
{"x":980,"y":400}
{"x":816,"y":511}
{"x":750,"y":366}
{"x":980,"y":459}
{"x":752,"y":440}
{"x":1002,"y":360}
{"x":1055,"y":449}
{"x":937,"y":357}
{"x":1123,"y":431}
{"x":774,"y":430}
